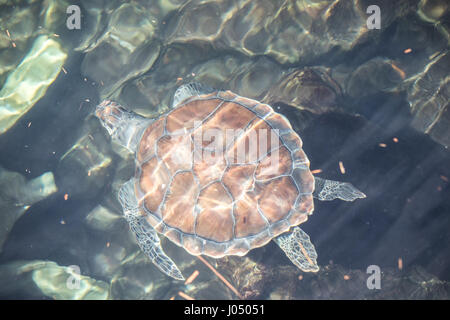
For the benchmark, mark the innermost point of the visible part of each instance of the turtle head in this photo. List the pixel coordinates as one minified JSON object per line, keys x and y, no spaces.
{"x":125,"y":127}
{"x":110,"y":115}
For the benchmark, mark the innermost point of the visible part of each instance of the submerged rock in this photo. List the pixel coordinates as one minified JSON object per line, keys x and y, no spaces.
{"x":310,"y":89}
{"x":255,"y":280}
{"x":102,"y":219}
{"x":30,"y":80}
{"x":126,"y":49}
{"x":429,"y":96}
{"x":289,"y":31}
{"x":137,"y":279}
{"x":17,"y":195}
{"x":84,"y":168}
{"x":37,"y":279}
{"x":18,"y":27}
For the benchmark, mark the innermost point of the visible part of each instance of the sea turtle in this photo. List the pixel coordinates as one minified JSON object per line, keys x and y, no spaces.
{"x":218,"y":175}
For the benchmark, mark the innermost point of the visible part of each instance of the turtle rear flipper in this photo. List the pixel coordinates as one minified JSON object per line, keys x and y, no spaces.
{"x":326,"y":190}
{"x":146,"y":236}
{"x":299,"y":249}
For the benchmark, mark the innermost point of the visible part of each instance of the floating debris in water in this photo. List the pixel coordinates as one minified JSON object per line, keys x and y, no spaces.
{"x":406,"y":51}
{"x":185,"y":296}
{"x":400,"y":72}
{"x":316,"y":171}
{"x":228,"y":284}
{"x":383,"y":145}
{"x":395,"y":139}
{"x":341,"y":167}
{"x":9,"y":37}
{"x":66,"y":196}
{"x":400,"y":263}
{"x":192,"y":277}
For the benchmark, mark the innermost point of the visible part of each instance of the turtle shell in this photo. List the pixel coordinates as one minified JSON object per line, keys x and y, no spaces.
{"x":221,"y":174}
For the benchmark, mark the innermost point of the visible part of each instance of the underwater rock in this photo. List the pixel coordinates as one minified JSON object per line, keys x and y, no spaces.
{"x":37,"y":279}
{"x":432,"y":10}
{"x":18,"y":27}
{"x":111,"y":250}
{"x":255,"y":280}
{"x":137,"y":279}
{"x":17,"y":195}
{"x":30,"y":80}
{"x":126,"y":49}
{"x":84,"y":168}
{"x":436,"y":12}
{"x":248,"y":276}
{"x":114,"y":241}
{"x":429,"y":96}
{"x":310,"y":88}
{"x":53,"y":16}
{"x":289,"y":31}
{"x":151,"y":94}
{"x":102,"y":219}
{"x":373,"y":76}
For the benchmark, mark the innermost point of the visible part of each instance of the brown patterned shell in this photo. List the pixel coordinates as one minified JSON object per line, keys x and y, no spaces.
{"x":216,"y":204}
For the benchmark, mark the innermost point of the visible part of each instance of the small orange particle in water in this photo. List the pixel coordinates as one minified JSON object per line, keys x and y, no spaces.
{"x":383,"y":145}
{"x":300,"y":277}
{"x":341,"y":167}
{"x":66,"y":196}
{"x":409,"y":50}
{"x":316,"y":171}
{"x":192,"y":277}
{"x":185,"y":296}
{"x":108,"y":244}
{"x":395,"y":139}
{"x":346,"y":277}
{"x":400,"y":263}
{"x":444,"y":178}
{"x":400,"y":72}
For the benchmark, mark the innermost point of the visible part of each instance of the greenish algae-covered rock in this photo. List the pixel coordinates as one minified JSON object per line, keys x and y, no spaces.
{"x":17,"y":195}
{"x":126,"y":49}
{"x":38,"y":278}
{"x":30,"y":80}
{"x":428,"y":97}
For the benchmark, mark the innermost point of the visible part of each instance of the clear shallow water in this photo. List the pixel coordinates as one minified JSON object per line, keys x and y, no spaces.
{"x":355,"y":96}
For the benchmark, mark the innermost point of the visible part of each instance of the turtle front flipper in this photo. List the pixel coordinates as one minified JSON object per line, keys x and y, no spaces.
{"x":326,"y":190}
{"x":146,"y":236}
{"x":299,"y":249}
